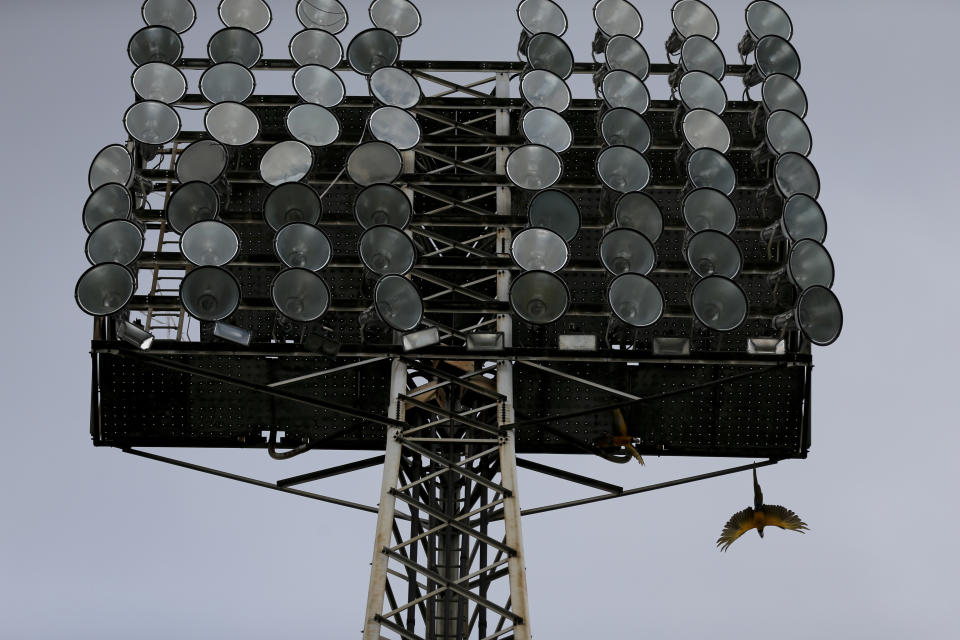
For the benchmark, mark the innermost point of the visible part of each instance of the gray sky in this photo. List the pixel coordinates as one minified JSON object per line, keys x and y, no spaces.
{"x":96,"y":544}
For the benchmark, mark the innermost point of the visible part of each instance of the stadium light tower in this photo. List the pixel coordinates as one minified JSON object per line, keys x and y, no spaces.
{"x":450,"y":273}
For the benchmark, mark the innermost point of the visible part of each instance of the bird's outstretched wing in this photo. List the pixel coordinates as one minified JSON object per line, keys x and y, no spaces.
{"x":777,"y":516}
{"x":739,"y":524}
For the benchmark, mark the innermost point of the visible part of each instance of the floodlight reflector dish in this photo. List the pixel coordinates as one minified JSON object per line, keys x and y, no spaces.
{"x":625,"y":53}
{"x":319,"y":85}
{"x":624,"y":250}
{"x":548,"y":128}
{"x":549,"y":52}
{"x":314,"y":46}
{"x":209,"y":243}
{"x":691,"y":18}
{"x":313,"y":125}
{"x":104,"y":289}
{"x":382,"y":204}
{"x":252,"y":15}
{"x":399,"y":17}
{"x":803,"y":218}
{"x":155,"y":44}
{"x":539,"y":249}
{"x":234,"y":44}
{"x":371,"y":50}
{"x":210,"y":294}
{"x":134,"y":335}
{"x":773,"y":55}
{"x":640,"y":212}
{"x":202,"y":160}
{"x":395,"y":87}
{"x":395,"y":126}
{"x":709,"y":209}
{"x":786,"y":132}
{"x":557,"y":211}
{"x":398,"y":303}
{"x":152,"y":122}
{"x":699,"y":90}
{"x":374,"y":162}
{"x":119,"y":241}
{"x":710,"y":168}
{"x":623,"y":169}
{"x":232,"y":124}
{"x":699,"y":53}
{"x":780,"y":91}
{"x":711,"y":253}
{"x":288,"y":161}
{"x":108,"y":202}
{"x":617,"y":18}
{"x":764,"y":18}
{"x":227,"y":82}
{"x":539,"y":297}
{"x":542,"y":16}
{"x":809,"y":264}
{"x":534,"y":167}
{"x":112,"y":165}
{"x":819,"y":315}
{"x":303,"y":246}
{"x":190,"y":203}
{"x":793,"y":174}
{"x":326,"y":15}
{"x":178,"y":15}
{"x":621,"y":88}
{"x":719,"y":303}
{"x":705,"y":129}
{"x":635,"y":300}
{"x":159,"y":81}
{"x":291,"y":202}
{"x":622,"y":126}
{"x":386,"y":250}
{"x":300,"y":294}
{"x":542,"y":88}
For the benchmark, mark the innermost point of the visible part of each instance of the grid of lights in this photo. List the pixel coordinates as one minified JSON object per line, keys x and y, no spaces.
{"x":631,"y":205}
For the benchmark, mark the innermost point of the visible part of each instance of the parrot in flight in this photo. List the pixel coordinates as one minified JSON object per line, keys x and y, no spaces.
{"x":760,"y":516}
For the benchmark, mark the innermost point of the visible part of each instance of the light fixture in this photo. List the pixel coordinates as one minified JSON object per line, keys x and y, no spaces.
{"x":615,"y":18}
{"x":818,"y":316}
{"x":701,"y":128}
{"x":234,"y":44}
{"x":312,"y":125}
{"x":542,"y":16}
{"x":159,"y":81}
{"x":300,"y":295}
{"x":152,"y":122}
{"x":781,"y":92}
{"x":785,"y":132}
{"x":372,"y":49}
{"x":209,"y":243}
{"x":386,"y":250}
{"x":555,"y":210}
{"x":709,"y":209}
{"x":210,"y":293}
{"x":809,"y":264}
{"x":623,"y":169}
{"x":178,"y":15}
{"x":542,"y":88}
{"x":314,"y":46}
{"x":699,"y":53}
{"x":155,"y":44}
{"x":419,"y":339}
{"x":764,"y":18}
{"x":134,"y":334}
{"x":112,"y":165}
{"x":548,"y":128}
{"x":104,"y":289}
{"x":485,"y":341}
{"x":119,"y":241}
{"x":382,"y":204}
{"x":232,"y":124}
{"x":202,"y":160}
{"x":394,"y":126}
{"x":534,"y":167}
{"x":623,"y":52}
{"x":539,"y":297}
{"x":374,"y":162}
{"x":710,"y":168}
{"x":327,"y":15}
{"x":319,"y":85}
{"x":712,"y":253}
{"x":107,"y":202}
{"x":700,"y":90}
{"x":691,"y":18}
{"x":303,"y":246}
{"x":621,"y":88}
{"x":253,"y":15}
{"x":288,"y":161}
{"x":190,"y":203}
{"x":399,"y":17}
{"x":539,"y":249}
{"x":291,"y":202}
{"x":640,"y":212}
{"x":624,"y":250}
{"x":232,"y":333}
{"x":623,"y":126}
{"x":719,"y":303}
{"x":793,"y":174}
{"x":635,"y":300}
{"x":395,"y":87}
{"x":398,"y":303}
{"x":802,"y":219}
{"x":549,"y":52}
{"x":227,"y":82}
{"x":773,"y":55}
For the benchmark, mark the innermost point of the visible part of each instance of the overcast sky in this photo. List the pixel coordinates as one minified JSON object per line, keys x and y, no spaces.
{"x":97,"y":544}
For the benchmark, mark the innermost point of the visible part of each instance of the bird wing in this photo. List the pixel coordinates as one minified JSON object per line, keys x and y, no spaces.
{"x":777,"y":516}
{"x":739,"y":524}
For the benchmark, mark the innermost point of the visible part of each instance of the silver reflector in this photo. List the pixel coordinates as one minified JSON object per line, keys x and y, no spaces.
{"x":288,"y":161}
{"x":119,"y":241}
{"x":159,"y":81}
{"x":227,"y":82}
{"x":691,"y":18}
{"x":209,"y":242}
{"x":382,"y":204}
{"x":635,"y":300}
{"x":313,"y":46}
{"x":319,"y":85}
{"x":787,"y":133}
{"x":155,"y":44}
{"x":152,"y":122}
{"x":192,"y":202}
{"x":107,"y":202}
{"x":235,"y":45}
{"x":112,"y":165}
{"x":623,"y":52}
{"x":699,"y":90}
{"x":719,"y":303}
{"x":780,"y":91}
{"x":547,"y":128}
{"x":711,"y":253}
{"x":302,"y":245}
{"x":704,"y":129}
{"x":707,"y":208}
{"x":539,"y":249}
{"x":313,"y":125}
{"x":291,"y":202}
{"x":104,"y":289}
{"x":542,"y":16}
{"x":617,"y":17}
{"x":327,"y":15}
{"x":809,"y":264}
{"x":623,"y":89}
{"x":625,"y":250}
{"x":803,"y":218}
{"x":702,"y":54}
{"x":709,"y":168}
{"x":374,"y":163}
{"x":819,"y":315}
{"x":395,"y":87}
{"x":253,"y":15}
{"x":300,"y":295}
{"x":773,"y":55}
{"x":549,"y":52}
{"x":534,"y":167}
{"x":372,"y":49}
{"x":232,"y":124}
{"x":386,"y":250}
{"x":395,"y":127}
{"x":398,"y":303}
{"x":795,"y":174}
{"x":541,"y":88}
{"x":626,"y":127}
{"x":203,"y":160}
{"x":399,"y":17}
{"x":640,"y":212}
{"x":210,"y":293}
{"x":623,"y":169}
{"x":178,"y":15}
{"x":555,"y":210}
{"x":539,"y":297}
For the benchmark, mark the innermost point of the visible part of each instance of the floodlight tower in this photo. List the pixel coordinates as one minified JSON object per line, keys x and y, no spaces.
{"x":452,"y":272}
